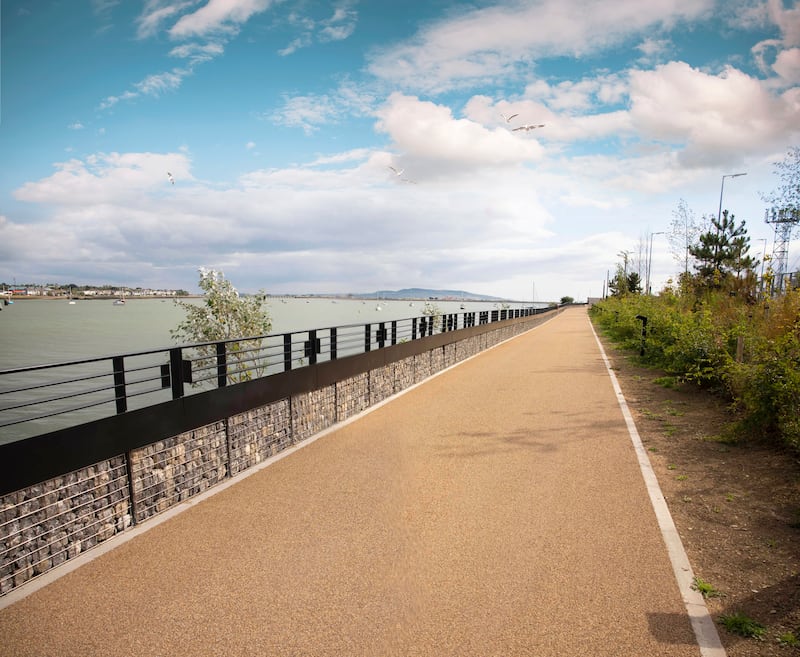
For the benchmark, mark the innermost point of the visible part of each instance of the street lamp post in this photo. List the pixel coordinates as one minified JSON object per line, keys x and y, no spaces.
{"x":722,"y":188}
{"x":650,"y":259}
{"x":763,"y":257}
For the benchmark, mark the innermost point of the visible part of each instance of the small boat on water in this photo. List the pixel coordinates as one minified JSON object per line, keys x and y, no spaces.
{"x":119,"y":302}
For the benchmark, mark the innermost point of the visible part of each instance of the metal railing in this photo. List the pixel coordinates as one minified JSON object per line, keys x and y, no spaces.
{"x":43,"y":398}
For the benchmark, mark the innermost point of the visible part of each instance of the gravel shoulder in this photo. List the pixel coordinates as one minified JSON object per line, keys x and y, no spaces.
{"x":736,"y":505}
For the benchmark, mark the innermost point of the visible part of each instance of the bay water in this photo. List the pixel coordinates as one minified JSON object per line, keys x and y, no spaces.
{"x":45,"y":331}
{"x":37,"y":332}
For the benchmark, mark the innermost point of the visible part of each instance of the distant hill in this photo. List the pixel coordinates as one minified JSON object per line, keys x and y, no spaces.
{"x":424,"y":293}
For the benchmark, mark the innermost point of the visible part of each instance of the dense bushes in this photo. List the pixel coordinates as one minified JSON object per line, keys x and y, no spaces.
{"x":749,"y":352}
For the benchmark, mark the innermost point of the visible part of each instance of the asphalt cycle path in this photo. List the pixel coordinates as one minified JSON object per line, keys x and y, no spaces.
{"x":497,"y":509}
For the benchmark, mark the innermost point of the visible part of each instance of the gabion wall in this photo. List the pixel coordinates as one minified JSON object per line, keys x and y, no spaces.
{"x":173,"y":470}
{"x":44,"y":525}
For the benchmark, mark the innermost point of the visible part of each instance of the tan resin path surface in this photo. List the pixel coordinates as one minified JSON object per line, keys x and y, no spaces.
{"x":495,"y":510}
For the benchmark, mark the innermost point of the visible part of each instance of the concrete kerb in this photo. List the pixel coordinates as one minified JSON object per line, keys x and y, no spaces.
{"x":54,"y":574}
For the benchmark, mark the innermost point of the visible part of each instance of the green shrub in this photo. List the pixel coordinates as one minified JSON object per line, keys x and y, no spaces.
{"x":697,"y":339}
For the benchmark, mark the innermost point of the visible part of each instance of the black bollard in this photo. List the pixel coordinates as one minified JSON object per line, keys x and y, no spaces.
{"x":643,"y":320}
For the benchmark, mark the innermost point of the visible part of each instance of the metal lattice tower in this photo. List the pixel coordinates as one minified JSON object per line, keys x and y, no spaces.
{"x":784,"y":221}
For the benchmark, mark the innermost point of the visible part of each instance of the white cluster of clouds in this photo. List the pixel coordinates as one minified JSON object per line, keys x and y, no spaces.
{"x":488,"y":208}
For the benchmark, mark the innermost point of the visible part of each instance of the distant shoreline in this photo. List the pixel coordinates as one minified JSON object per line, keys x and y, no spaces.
{"x":105,"y":297}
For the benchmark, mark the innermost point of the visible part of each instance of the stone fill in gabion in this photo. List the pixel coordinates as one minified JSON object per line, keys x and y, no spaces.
{"x":381,"y":384}
{"x":312,"y":412}
{"x":352,"y":396}
{"x":173,"y":470}
{"x":258,"y":434}
{"x":404,"y":374}
{"x":44,"y":525}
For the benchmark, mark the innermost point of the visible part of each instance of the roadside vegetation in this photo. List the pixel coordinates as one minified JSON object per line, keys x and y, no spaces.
{"x":720,"y":326}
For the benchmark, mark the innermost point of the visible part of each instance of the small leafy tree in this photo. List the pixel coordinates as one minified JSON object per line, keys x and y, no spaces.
{"x":224,"y":315}
{"x":434,"y":312}
{"x":618,"y":286}
{"x":566,"y":300}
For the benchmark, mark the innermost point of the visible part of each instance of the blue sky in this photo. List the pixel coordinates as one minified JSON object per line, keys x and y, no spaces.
{"x":279,"y":122}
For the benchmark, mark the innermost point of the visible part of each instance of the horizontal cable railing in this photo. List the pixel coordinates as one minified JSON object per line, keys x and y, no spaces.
{"x":43,"y":398}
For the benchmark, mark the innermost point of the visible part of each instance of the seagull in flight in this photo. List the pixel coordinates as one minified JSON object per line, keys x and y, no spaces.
{"x":508,"y":118}
{"x":171,"y":179}
{"x":529,"y":126}
{"x":397,"y":172}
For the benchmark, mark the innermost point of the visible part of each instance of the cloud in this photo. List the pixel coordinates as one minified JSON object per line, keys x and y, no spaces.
{"x":717,"y":117}
{"x":217,"y":16}
{"x":502,"y":41}
{"x":198,"y":52}
{"x":311,"y":112}
{"x":339,"y":26}
{"x":787,"y":66}
{"x":158,"y":12}
{"x":314,"y":220}
{"x":439,"y":143}
{"x":77,"y":125}
{"x":102,"y":178}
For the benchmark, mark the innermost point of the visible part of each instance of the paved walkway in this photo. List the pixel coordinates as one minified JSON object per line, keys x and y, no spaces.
{"x":496,"y":510}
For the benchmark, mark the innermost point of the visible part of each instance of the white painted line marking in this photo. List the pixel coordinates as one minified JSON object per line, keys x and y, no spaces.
{"x":703,"y":625}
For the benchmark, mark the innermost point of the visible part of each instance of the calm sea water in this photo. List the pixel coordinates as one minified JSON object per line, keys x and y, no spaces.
{"x":43,"y":331}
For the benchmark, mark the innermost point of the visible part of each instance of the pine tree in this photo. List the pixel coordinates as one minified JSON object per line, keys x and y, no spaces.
{"x":721,"y":251}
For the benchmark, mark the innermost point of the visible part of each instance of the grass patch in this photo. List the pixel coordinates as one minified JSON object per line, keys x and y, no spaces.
{"x":670,"y":382}
{"x":789,"y":639}
{"x":737,"y":623}
{"x":705,"y":589}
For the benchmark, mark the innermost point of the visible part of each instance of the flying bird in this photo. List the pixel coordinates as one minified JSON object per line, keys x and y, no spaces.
{"x":397,"y":172}
{"x":171,"y":179}
{"x":529,"y":126}
{"x":508,"y":118}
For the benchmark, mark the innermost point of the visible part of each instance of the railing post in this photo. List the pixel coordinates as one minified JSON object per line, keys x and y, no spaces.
{"x":414,"y":328}
{"x":287,"y":352}
{"x":380,"y":335}
{"x":176,"y":372}
{"x":394,"y":332}
{"x":333,"y":344}
{"x":120,"y":398}
{"x":131,"y":494}
{"x":367,"y":337}
{"x":222,"y":365}
{"x":311,"y":347}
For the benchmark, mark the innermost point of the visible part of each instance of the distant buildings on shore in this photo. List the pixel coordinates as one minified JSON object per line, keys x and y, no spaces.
{"x":104,"y":292}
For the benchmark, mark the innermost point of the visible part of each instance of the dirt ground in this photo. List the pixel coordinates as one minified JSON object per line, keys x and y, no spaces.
{"x":736,"y":505}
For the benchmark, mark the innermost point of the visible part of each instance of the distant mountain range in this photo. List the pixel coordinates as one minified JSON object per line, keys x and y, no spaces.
{"x":424,"y":293}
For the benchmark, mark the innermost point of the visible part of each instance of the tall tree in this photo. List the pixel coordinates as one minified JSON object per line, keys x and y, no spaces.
{"x":721,"y":250}
{"x":684,"y":230}
{"x":786,"y":197}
